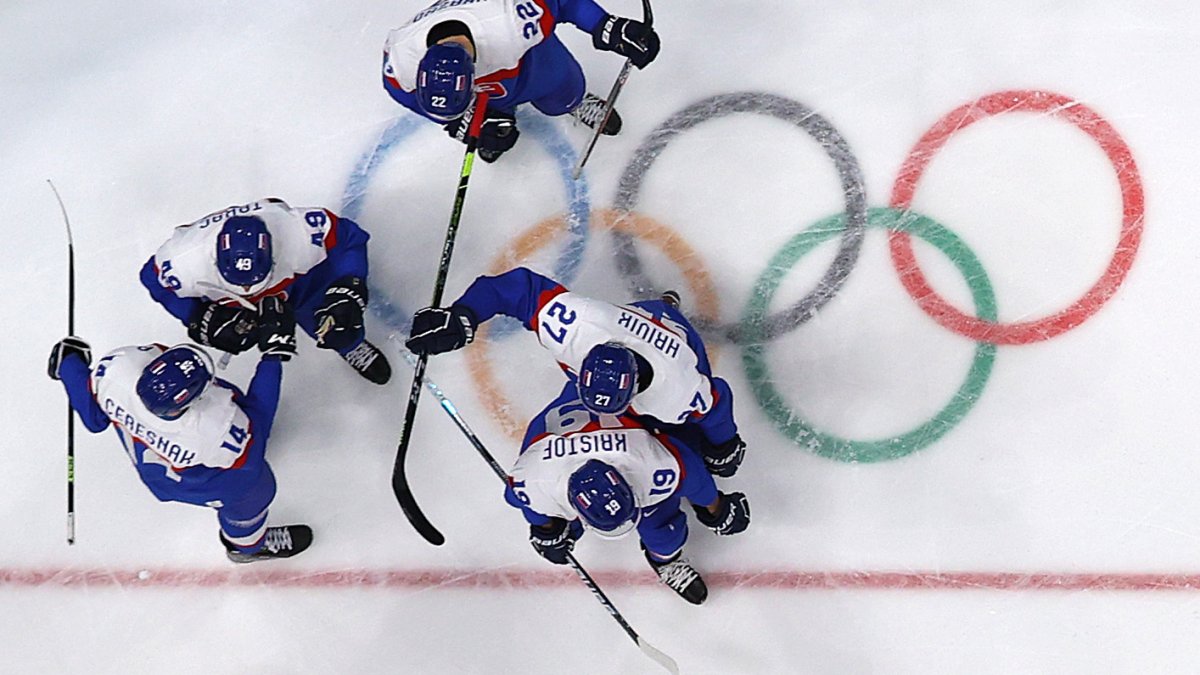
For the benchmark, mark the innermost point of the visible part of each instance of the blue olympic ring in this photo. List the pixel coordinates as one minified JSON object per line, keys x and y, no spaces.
{"x":536,"y":125}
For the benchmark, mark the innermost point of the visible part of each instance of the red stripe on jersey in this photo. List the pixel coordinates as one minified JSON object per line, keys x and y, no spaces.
{"x":676,"y":453}
{"x":543,"y":300}
{"x":277,"y":289}
{"x":331,"y":235}
{"x":547,"y":20}
{"x":241,"y":460}
{"x":499,"y":75}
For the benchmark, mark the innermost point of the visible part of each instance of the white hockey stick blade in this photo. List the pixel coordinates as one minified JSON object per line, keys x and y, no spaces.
{"x":659,"y":657}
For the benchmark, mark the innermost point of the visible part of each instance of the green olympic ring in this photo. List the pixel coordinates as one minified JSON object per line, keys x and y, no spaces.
{"x":826,"y":445}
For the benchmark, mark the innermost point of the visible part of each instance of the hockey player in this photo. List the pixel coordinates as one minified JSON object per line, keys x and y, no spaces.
{"x":211,"y":273}
{"x":644,"y":358}
{"x":608,"y":474}
{"x":507,"y":48}
{"x":194,"y":438}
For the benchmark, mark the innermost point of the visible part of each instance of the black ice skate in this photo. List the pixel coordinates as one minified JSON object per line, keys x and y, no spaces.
{"x":671,"y":298}
{"x":369,"y":362}
{"x":591,"y":110}
{"x":681,"y":577}
{"x":284,"y":541}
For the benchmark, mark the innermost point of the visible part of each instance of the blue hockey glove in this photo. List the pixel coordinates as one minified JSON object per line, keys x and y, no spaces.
{"x":632,"y":39}
{"x":339,"y":317}
{"x":436,"y":330}
{"x":64,"y":348}
{"x":229,"y":328}
{"x":732,"y":516}
{"x":556,"y":539}
{"x":723,"y":460}
{"x":277,"y":328}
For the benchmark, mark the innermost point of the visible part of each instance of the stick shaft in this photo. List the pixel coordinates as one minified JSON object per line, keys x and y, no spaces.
{"x":400,"y":487}
{"x":70,"y":331}
{"x":611,"y":102}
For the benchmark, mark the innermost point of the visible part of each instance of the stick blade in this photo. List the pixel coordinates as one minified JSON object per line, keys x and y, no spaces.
{"x":658,"y":657}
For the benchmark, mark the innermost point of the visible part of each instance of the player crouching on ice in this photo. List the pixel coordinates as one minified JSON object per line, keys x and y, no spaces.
{"x":194,"y":438}
{"x":211,"y":273}
{"x":433,"y":64}
{"x":644,"y":357}
{"x":608,"y":474}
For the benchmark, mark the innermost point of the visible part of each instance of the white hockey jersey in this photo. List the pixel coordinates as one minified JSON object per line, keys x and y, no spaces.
{"x":569,"y":325}
{"x":502,"y":30}
{"x":300,"y":239}
{"x":213,"y":432}
{"x":543,"y":469}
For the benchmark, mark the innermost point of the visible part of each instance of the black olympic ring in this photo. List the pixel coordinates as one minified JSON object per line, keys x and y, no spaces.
{"x":849,"y":173}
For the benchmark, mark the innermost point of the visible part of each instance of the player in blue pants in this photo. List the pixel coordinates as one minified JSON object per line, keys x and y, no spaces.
{"x":193,"y":438}
{"x":434,"y":64}
{"x":644,"y":359}
{"x":611,"y":475}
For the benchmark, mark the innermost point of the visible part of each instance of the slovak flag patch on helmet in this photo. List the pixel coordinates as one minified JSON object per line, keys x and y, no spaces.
{"x":583,"y":500}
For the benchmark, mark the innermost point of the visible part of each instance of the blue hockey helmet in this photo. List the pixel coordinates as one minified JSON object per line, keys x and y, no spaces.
{"x":445,"y":81}
{"x":174,"y":380}
{"x":603,"y":499}
{"x":608,"y":378}
{"x":244,"y":251}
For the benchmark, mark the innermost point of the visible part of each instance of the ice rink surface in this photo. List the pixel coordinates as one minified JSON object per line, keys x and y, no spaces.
{"x":932,"y":492}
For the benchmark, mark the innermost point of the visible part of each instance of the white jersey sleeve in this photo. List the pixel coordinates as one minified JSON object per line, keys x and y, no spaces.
{"x":543,"y":469}
{"x":300,"y":239}
{"x":502,"y":30}
{"x":569,"y":325}
{"x":213,"y":432}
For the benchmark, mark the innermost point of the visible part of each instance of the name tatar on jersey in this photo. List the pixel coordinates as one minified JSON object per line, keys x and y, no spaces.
{"x":213,"y":432}
{"x":502,"y":30}
{"x":300,"y":240}
{"x":569,"y":325}
{"x":543,"y":469}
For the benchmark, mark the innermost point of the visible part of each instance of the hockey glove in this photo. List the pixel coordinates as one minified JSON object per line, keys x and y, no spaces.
{"x":498,"y":134}
{"x":723,"y":460}
{"x":436,"y":331}
{"x":277,"y":328}
{"x":64,"y":348}
{"x":230,"y":328}
{"x":556,"y":539}
{"x":339,"y":317}
{"x":632,"y":39}
{"x":732,"y":516}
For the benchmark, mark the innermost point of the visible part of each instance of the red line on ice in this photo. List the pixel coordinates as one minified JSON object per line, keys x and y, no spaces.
{"x":497,"y":579}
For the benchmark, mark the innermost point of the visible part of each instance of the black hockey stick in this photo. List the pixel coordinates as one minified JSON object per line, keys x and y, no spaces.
{"x":647,"y":648}
{"x":399,"y":480}
{"x":70,"y":331}
{"x":611,"y":101}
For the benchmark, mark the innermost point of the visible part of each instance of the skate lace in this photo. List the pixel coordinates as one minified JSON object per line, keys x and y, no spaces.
{"x":590,"y":111}
{"x":678,"y":575}
{"x":278,"y":539}
{"x":361,"y":357}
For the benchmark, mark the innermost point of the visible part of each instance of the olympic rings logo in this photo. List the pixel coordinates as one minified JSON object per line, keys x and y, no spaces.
{"x":757,"y":327}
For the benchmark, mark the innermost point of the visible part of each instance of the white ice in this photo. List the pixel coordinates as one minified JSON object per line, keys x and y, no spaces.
{"x":1076,"y":466}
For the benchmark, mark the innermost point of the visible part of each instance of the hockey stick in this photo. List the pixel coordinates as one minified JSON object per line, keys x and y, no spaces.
{"x":399,"y":480}
{"x":70,"y":331}
{"x":647,"y":648}
{"x":611,"y":101}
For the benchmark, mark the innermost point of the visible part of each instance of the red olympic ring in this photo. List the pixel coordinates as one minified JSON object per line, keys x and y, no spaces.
{"x":1133,"y":207}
